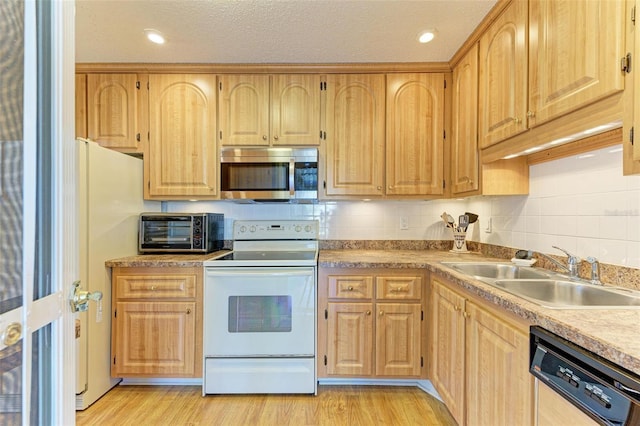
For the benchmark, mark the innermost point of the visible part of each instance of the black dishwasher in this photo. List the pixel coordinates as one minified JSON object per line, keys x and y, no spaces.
{"x":604,"y":391}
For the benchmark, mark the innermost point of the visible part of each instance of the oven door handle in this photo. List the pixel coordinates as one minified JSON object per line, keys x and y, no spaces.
{"x":292,"y":180}
{"x":250,"y":272}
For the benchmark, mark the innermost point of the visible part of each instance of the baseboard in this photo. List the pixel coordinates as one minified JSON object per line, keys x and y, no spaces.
{"x":423,"y":385}
{"x":161,"y":382}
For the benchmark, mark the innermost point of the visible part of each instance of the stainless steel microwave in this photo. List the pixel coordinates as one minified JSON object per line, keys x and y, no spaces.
{"x":269,"y":174}
{"x":180,"y":232}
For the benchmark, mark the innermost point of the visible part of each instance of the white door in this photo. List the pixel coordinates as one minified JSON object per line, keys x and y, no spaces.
{"x":36,"y":212}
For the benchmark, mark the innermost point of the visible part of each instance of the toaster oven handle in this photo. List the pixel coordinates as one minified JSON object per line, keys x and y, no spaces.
{"x":292,"y":177}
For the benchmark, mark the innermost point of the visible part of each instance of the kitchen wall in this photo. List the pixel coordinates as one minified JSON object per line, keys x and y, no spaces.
{"x":581,"y":203}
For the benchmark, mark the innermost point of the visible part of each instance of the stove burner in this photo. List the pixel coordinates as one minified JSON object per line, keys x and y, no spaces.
{"x":269,"y":255}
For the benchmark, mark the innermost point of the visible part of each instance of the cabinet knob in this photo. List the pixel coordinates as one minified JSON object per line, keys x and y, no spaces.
{"x":470,"y":182}
{"x":531,"y":114}
{"x":368,"y":312}
{"x":264,"y":137}
{"x":379,"y":188}
{"x":350,"y":288}
{"x":390,"y":186}
{"x":457,"y":308}
{"x":188,"y":311}
{"x":275,"y":137}
{"x":153,"y":288}
{"x":381,"y":313}
{"x":466,"y":314}
{"x":517,"y":120}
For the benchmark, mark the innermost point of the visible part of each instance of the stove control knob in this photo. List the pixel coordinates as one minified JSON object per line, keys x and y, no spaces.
{"x":307,"y":228}
{"x":243,"y":229}
{"x":252,"y":228}
{"x":298,"y":228}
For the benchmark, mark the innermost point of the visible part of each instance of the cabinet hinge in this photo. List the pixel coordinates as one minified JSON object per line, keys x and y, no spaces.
{"x":443,"y":184}
{"x":220,"y":86}
{"x":625,"y":63}
{"x":421,"y":361}
{"x":421,"y":315}
{"x":147,"y":85}
{"x":324,"y":184}
{"x":115,"y":313}
{"x":323,"y":85}
{"x":138,"y":85}
{"x":220,"y":134}
{"x":444,"y":134}
{"x":445,"y":84}
{"x":325,"y":360}
{"x":138,"y":137}
{"x":114,"y":360}
{"x":633,"y":15}
{"x":631,"y":135}
{"x":326,"y":314}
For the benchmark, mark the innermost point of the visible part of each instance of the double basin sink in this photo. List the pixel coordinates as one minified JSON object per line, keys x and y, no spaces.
{"x":547,"y":288}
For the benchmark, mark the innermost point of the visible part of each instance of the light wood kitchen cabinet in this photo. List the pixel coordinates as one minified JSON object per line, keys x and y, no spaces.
{"x":264,"y":110}
{"x":542,"y":62}
{"x":370,"y":323}
{"x":157,"y":322}
{"x":81,"y":105}
{"x":479,"y":359}
{"x":182,"y":159}
{"x":465,"y":173}
{"x":575,"y":48}
{"x":554,"y":409}
{"x":631,"y":121}
{"x":415,"y":134}
{"x":502,"y":105}
{"x":355,"y":139}
{"x":117,"y":107}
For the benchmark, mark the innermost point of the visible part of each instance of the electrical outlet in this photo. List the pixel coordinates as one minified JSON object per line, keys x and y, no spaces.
{"x":488,"y":228}
{"x":404,"y":222}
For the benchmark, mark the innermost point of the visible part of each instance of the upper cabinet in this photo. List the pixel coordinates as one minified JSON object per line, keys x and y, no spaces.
{"x":117,"y":110}
{"x":575,"y":48}
{"x":465,"y":174}
{"x":269,"y":110}
{"x":502,"y":103}
{"x":377,"y":151}
{"x":354,"y":157}
{"x":572,"y":60}
{"x":181,"y":162}
{"x":415,"y":134}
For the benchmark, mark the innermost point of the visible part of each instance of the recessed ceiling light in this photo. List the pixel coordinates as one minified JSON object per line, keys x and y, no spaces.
{"x":426,"y":36}
{"x":154,"y":36}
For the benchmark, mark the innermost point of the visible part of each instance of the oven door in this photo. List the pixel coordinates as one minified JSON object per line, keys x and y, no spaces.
{"x":253,"y":312}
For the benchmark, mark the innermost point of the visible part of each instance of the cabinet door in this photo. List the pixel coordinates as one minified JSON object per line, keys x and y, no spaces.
{"x":182,"y":157}
{"x":415,"y":135}
{"x":154,"y":338}
{"x":350,"y":339}
{"x":81,"y":105}
{"x":575,"y":49}
{"x":398,"y":339}
{"x":447,"y":348}
{"x":465,"y":173}
{"x":355,"y":135}
{"x":503,"y":76}
{"x":295,"y":109}
{"x":116,"y":111}
{"x":499,"y":386}
{"x":244,"y":110}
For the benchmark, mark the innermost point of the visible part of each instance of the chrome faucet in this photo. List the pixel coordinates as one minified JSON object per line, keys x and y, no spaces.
{"x":572,"y":262}
{"x":595,"y":270}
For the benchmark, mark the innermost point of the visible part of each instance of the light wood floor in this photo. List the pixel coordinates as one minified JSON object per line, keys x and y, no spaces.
{"x":334,"y":405}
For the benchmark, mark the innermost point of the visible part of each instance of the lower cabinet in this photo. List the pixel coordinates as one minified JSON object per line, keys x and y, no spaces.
{"x":156,"y":322}
{"x":371,"y":323}
{"x":479,"y":359}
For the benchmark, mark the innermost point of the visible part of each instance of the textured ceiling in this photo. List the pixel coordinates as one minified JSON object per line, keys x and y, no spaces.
{"x":274,"y":31}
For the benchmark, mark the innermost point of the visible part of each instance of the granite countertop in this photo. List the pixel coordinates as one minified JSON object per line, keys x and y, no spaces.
{"x":613,"y":334}
{"x":164,"y":260}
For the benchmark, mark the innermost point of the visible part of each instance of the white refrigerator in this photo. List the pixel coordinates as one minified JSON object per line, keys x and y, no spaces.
{"x":110,"y":198}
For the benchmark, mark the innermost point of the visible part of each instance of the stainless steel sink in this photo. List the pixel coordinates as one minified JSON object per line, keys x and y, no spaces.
{"x":569,"y":294}
{"x":497,"y":271}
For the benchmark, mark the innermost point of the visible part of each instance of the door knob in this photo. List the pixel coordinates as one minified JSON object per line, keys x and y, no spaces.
{"x":12,"y":334}
{"x":79,"y":300}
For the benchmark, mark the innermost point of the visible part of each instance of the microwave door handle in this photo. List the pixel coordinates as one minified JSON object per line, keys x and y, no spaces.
{"x":292,"y":171}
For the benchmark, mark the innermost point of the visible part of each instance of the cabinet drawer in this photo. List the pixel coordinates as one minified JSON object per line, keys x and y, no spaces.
{"x":156,"y":286}
{"x":391,"y":287}
{"x":350,"y":286}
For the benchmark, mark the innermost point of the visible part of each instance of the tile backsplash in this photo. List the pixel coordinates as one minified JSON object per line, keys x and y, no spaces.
{"x":580,"y":203}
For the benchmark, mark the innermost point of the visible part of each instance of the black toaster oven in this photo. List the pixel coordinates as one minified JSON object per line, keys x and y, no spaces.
{"x":180,"y":232}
